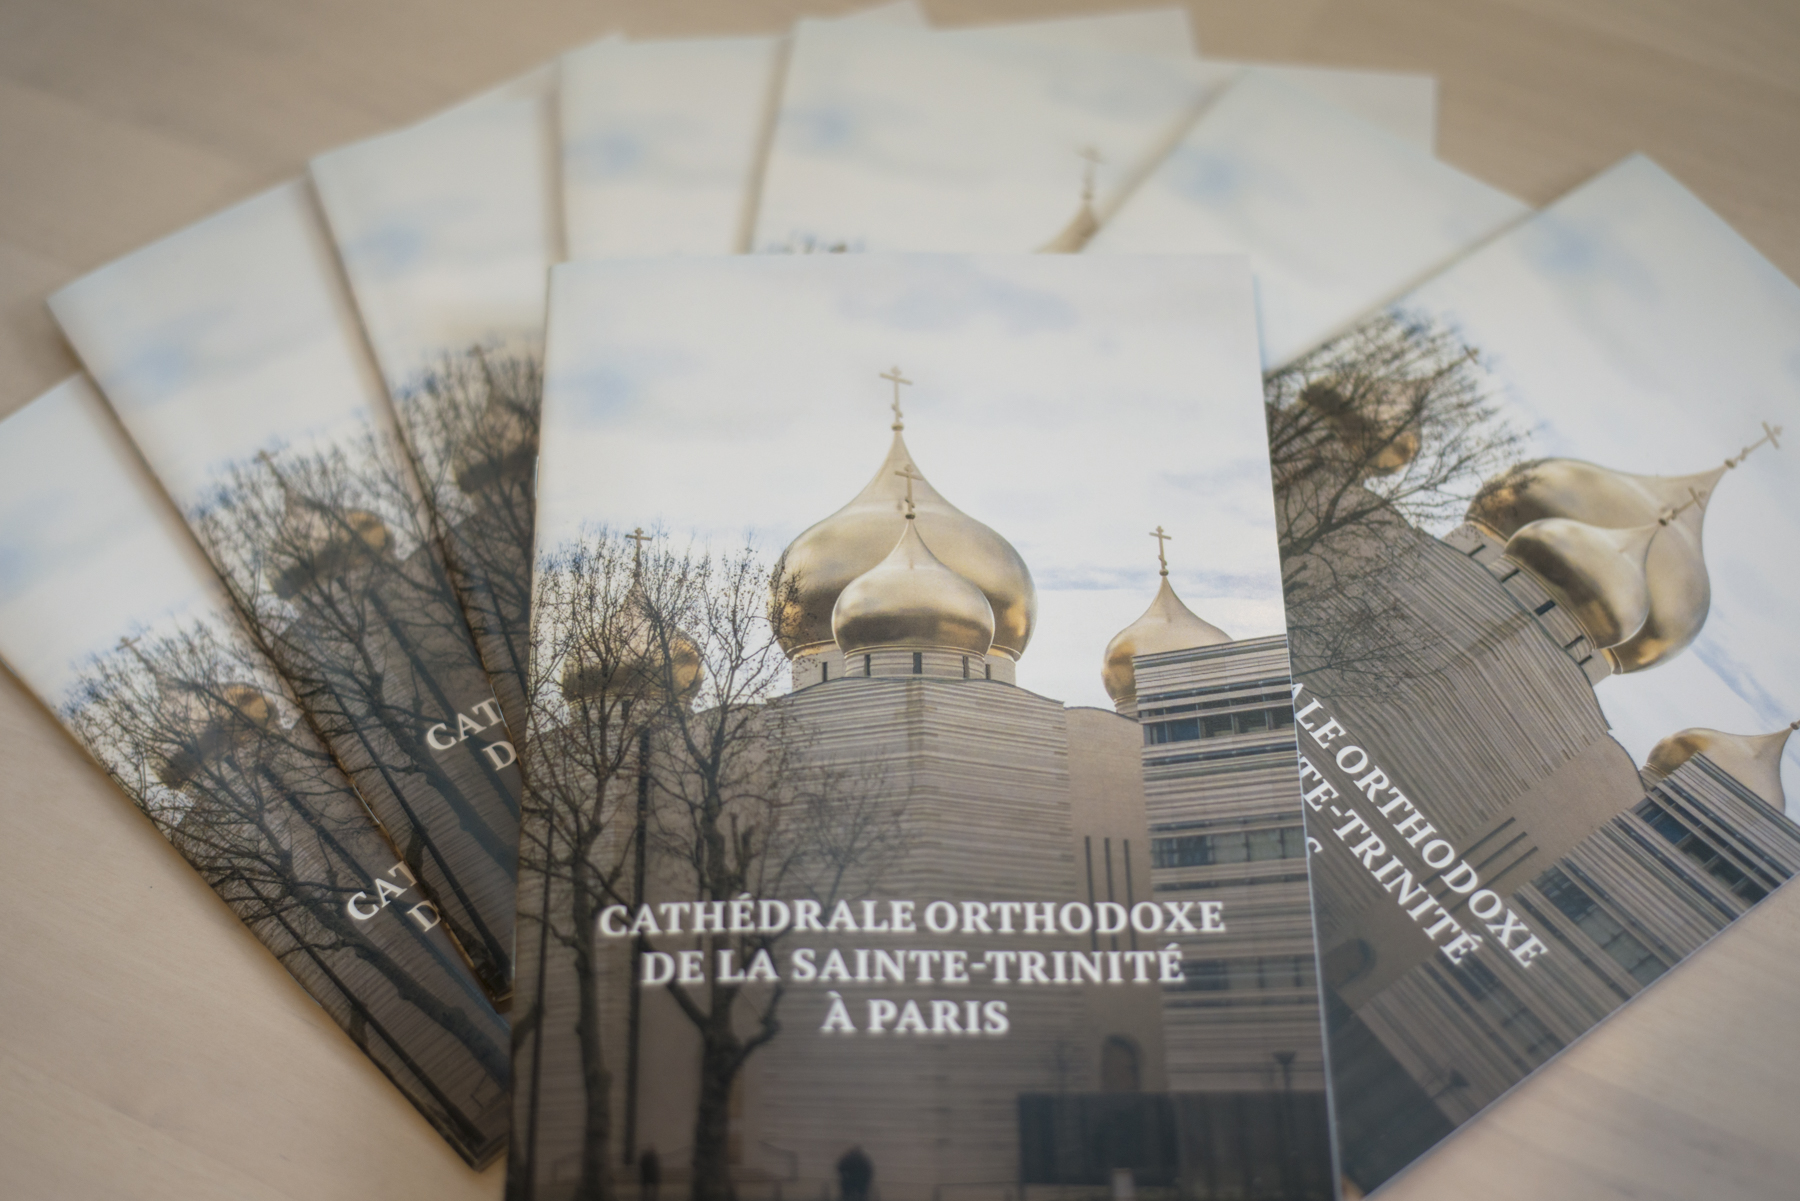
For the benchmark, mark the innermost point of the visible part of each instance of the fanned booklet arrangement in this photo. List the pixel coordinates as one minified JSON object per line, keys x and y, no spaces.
{"x":891,"y":612}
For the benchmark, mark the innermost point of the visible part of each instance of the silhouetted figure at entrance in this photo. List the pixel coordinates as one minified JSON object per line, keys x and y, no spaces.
{"x":649,"y":1174}
{"x":856,"y":1172}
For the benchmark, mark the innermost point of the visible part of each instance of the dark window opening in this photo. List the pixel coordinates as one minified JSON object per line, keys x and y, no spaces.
{"x":868,"y":665}
{"x":965,"y":667}
{"x":987,"y":671}
{"x":918,"y":663}
{"x":1623,"y":947}
{"x":1233,"y":846}
{"x":1700,"y":851}
{"x":1505,"y":1009}
{"x":824,"y":672}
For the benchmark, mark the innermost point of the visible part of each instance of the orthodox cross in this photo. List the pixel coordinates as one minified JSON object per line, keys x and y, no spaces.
{"x":898,"y":379}
{"x":911,"y":475}
{"x":1770,"y":434}
{"x":1695,"y":497}
{"x":1162,"y":559}
{"x":638,"y":537}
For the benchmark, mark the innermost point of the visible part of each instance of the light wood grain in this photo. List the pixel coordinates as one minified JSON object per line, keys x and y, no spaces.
{"x":149,"y":1047}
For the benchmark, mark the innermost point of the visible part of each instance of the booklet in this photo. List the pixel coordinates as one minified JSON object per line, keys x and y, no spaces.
{"x":111,"y":617}
{"x":1337,"y":214}
{"x":1542,"y":722}
{"x":663,"y":142}
{"x":447,"y":231}
{"x":969,"y":140}
{"x":232,"y":356}
{"x":871,"y":847}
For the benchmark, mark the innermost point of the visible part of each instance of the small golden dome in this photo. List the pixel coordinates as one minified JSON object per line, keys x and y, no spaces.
{"x":637,"y":670}
{"x":1377,"y":429}
{"x":1596,"y":574}
{"x":1167,"y":625}
{"x":1675,"y":570}
{"x":1753,"y":760}
{"x":910,"y":599}
{"x":215,"y":726}
{"x":824,"y":559}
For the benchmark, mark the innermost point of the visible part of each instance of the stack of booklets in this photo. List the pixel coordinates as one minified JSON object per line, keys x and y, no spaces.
{"x":934,"y":614}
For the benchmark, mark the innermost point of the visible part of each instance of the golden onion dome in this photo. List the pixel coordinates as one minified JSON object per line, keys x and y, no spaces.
{"x":1597,"y":574}
{"x":823,"y":560}
{"x":639,"y":667}
{"x":911,"y":599}
{"x":1753,"y":760}
{"x":1167,"y":625}
{"x":1675,"y":571}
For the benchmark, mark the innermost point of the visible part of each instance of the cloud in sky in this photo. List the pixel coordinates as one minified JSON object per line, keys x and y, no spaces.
{"x":1071,"y":404}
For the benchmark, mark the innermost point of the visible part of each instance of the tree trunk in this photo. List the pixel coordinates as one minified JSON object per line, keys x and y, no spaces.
{"x":596,"y":1081}
{"x":719,"y":1062}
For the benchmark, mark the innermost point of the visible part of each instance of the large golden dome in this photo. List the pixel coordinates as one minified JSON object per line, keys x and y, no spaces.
{"x":824,"y":559}
{"x":910,"y":599}
{"x":1167,"y":625}
{"x":1597,"y":574}
{"x":1675,"y":568}
{"x":1753,"y":760}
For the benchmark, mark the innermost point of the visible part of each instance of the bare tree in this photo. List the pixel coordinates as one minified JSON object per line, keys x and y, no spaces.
{"x":330,"y":558}
{"x":591,"y":710}
{"x":745,"y":806}
{"x":471,"y":423}
{"x":191,"y":730}
{"x":1375,"y":435}
{"x":660,"y":751}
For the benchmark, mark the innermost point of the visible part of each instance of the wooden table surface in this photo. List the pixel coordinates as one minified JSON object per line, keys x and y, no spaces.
{"x":150,"y":1047}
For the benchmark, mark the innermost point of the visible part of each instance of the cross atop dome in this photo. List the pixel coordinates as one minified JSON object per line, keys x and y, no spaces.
{"x":1770,"y":434}
{"x":909,"y":473}
{"x":898,"y":379}
{"x":1162,"y":539}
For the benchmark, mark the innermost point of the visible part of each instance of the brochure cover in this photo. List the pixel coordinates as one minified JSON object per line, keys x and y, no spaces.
{"x":871,"y":847}
{"x":1337,"y":214}
{"x":111,"y":617}
{"x":1542,"y":721}
{"x":232,"y":356}
{"x":447,"y":231}
{"x":972,"y":140}
{"x":663,"y":142}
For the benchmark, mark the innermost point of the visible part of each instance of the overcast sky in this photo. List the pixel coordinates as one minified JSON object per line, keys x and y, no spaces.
{"x":232,"y":336}
{"x":1629,"y":326}
{"x":447,"y":227}
{"x":1072,"y":404}
{"x":88,"y":552}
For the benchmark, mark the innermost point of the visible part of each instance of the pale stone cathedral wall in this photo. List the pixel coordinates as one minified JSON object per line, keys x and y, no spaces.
{"x":1491,"y":729}
{"x":1260,"y":994}
{"x":1467,"y":1034}
{"x":1112,"y":842}
{"x":983,"y":769}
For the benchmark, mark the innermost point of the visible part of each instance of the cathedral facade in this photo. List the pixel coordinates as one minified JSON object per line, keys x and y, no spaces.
{"x":1576,"y":876}
{"x":903,"y":622}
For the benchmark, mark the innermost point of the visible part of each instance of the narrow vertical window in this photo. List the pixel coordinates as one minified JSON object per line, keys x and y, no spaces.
{"x":868,"y":665}
{"x":987,"y":671}
{"x":824,"y":672}
{"x":918,"y":663}
{"x":965,"y":667}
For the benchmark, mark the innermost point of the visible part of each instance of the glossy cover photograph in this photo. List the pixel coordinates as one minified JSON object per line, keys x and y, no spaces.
{"x":1543,"y":723}
{"x":113,"y":619}
{"x":871,"y":844}
{"x":231,"y":354}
